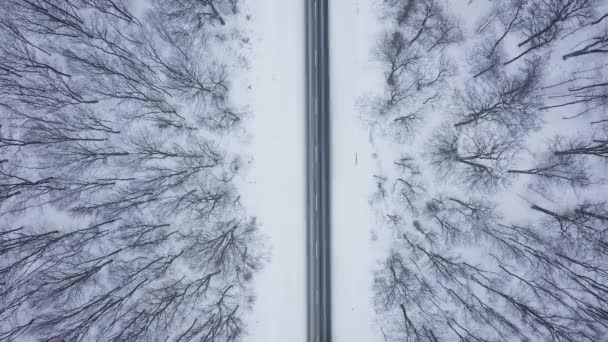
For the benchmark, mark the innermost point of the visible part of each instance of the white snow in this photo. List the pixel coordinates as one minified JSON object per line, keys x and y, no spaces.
{"x":275,"y":189}
{"x":353,"y":29}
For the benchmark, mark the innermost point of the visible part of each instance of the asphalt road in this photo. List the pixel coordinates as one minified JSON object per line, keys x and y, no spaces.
{"x":317,"y":164}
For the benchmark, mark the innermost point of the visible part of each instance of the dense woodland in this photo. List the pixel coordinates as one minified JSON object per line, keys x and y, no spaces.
{"x":119,"y":215}
{"x":495,"y":200}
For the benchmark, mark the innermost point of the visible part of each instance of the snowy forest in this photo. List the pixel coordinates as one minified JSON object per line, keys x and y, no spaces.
{"x":491,"y":142}
{"x":120,"y":218}
{"x":125,"y":193}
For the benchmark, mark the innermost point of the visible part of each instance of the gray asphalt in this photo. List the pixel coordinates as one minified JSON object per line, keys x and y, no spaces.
{"x":317,"y":164}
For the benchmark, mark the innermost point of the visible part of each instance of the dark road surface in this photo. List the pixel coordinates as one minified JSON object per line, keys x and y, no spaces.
{"x":317,"y":179}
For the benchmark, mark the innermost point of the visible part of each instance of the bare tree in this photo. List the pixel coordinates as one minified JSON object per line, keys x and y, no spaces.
{"x":536,"y":24}
{"x":559,"y":168}
{"x":583,"y":88}
{"x":488,"y":54}
{"x":595,"y":146}
{"x":582,"y":229}
{"x":478,"y":159}
{"x":413,"y":58}
{"x":543,"y":22}
{"x":408,"y":186}
{"x":597,"y":45}
{"x":427,"y":20}
{"x":508,"y":100}
{"x":461,"y":220}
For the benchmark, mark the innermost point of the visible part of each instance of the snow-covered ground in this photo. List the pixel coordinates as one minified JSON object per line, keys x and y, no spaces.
{"x":353,"y":29}
{"x":275,"y":189}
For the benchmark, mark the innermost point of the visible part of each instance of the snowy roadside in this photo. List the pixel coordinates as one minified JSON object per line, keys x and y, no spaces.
{"x":274,"y":188}
{"x":353,"y":29}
